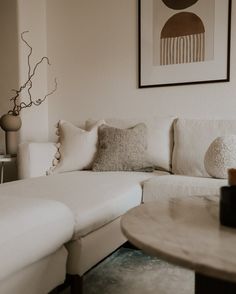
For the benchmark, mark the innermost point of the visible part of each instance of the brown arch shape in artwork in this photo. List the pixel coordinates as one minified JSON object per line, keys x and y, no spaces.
{"x":182,"y":39}
{"x":182,"y":24}
{"x":179,"y":4}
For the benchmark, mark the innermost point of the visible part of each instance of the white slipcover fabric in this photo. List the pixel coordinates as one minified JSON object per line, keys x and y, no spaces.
{"x":34,"y":159}
{"x":87,"y":251}
{"x":95,"y":198}
{"x":179,"y":186}
{"x":160,"y":137}
{"x":30,"y":229}
{"x":192,"y":138}
{"x":39,"y":277}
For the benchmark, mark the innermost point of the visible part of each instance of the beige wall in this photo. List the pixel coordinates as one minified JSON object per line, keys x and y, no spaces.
{"x":93,"y":45}
{"x":32,"y":18}
{"x":17,"y":16}
{"x":8,"y":57}
{"x":8,"y":67}
{"x":93,"y":48}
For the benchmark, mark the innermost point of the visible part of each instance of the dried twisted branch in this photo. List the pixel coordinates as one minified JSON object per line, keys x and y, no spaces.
{"x":17,"y":105}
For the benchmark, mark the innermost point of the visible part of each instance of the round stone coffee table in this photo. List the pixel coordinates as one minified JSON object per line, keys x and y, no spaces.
{"x":186,"y":231}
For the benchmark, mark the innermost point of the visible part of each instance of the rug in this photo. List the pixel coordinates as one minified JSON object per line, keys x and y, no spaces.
{"x":130,"y":271}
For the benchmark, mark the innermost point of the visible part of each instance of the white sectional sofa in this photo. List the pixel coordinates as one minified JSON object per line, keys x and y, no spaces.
{"x":97,"y":200}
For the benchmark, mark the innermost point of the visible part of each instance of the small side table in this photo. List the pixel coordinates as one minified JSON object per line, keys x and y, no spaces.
{"x":3,"y":159}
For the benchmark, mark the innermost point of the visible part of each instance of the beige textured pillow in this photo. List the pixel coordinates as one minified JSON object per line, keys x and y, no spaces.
{"x":76,"y":148}
{"x":122,"y":149}
{"x":159,"y":137}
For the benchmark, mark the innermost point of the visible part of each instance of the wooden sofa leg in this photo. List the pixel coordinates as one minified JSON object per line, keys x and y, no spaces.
{"x":76,"y":282}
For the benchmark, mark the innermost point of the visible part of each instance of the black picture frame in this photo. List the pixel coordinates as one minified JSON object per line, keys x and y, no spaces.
{"x":144,"y":83}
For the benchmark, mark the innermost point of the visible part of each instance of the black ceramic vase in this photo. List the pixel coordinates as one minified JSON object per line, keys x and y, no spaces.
{"x":228,"y":206}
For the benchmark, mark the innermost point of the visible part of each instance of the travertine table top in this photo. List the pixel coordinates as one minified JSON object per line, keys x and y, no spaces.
{"x":185,"y":231}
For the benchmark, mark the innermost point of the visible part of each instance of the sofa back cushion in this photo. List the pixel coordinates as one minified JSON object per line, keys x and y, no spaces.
{"x":192,"y":138}
{"x":159,"y":137}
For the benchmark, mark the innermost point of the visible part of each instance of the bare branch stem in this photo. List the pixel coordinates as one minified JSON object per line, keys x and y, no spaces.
{"x":28,"y":85}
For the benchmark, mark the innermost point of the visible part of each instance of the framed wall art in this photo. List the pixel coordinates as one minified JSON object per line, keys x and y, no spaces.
{"x":184,"y":42}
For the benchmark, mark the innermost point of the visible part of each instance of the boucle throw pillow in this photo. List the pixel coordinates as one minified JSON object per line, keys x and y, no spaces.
{"x":159,"y":136}
{"x":122,"y":149}
{"x":76,"y":147}
{"x":220,"y":156}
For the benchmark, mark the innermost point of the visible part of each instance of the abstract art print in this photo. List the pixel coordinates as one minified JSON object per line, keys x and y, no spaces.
{"x":183,"y":42}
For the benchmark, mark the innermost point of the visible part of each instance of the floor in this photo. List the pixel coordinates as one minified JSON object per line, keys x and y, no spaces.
{"x":129,"y":271}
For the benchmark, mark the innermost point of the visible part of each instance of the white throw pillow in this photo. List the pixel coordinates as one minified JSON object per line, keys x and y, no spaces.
{"x":220,"y":156}
{"x":159,"y":137}
{"x":76,"y":147}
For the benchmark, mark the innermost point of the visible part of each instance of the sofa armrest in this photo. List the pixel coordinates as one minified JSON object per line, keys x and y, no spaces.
{"x":34,"y":159}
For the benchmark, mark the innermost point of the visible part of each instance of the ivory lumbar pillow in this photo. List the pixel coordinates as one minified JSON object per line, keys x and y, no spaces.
{"x":122,"y":149}
{"x":221,"y":156}
{"x":76,"y":148}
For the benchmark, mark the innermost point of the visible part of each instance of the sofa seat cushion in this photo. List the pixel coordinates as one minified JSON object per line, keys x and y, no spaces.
{"x":30,"y":229}
{"x":178,"y":186}
{"x":95,"y":198}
